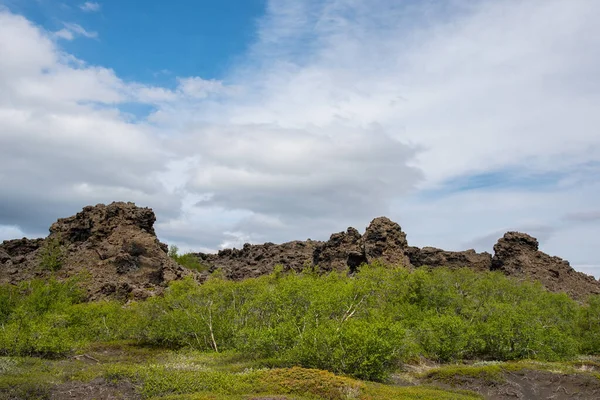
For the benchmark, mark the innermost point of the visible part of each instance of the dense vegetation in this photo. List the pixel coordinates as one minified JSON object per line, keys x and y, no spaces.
{"x":364,"y":325}
{"x":188,"y":260}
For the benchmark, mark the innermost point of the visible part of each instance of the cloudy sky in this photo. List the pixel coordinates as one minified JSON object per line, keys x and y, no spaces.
{"x":252,"y":121}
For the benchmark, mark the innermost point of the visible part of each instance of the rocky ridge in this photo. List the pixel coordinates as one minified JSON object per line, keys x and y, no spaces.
{"x":515,"y":254}
{"x":116,"y":247}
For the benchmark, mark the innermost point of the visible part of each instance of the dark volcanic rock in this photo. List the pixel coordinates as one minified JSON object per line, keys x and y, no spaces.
{"x":97,"y":223}
{"x":432,"y":257}
{"x":342,"y":250}
{"x":116,"y":247}
{"x":384,"y":241}
{"x":257,"y":260}
{"x":517,"y":255}
{"x":4,"y":256}
{"x":21,"y":247}
{"x":114,"y":244}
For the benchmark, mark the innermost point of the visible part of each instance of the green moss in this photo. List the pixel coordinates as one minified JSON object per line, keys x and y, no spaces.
{"x":455,"y":373}
{"x":26,"y":378}
{"x":384,"y":392}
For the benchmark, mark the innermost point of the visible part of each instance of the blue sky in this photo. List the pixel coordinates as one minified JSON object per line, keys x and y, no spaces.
{"x":253,"y":121}
{"x":157,"y":40}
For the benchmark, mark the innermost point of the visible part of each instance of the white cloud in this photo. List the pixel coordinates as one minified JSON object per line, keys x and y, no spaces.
{"x":152,"y":95}
{"x":498,"y":85}
{"x":62,"y":144}
{"x":71,"y":30}
{"x":8,"y":232}
{"x":199,"y":88}
{"x":64,"y":34}
{"x":90,"y":6}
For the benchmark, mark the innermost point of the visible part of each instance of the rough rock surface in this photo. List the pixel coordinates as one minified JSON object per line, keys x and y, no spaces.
{"x":342,"y":250}
{"x":433,"y":257}
{"x":517,"y":254}
{"x":256,"y":260}
{"x":113,"y":247}
{"x":384,"y":241}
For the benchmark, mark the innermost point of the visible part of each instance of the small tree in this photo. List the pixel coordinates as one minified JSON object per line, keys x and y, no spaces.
{"x":52,"y":255}
{"x":188,"y":260}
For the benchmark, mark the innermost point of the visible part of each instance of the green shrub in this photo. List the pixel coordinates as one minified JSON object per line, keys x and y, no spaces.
{"x":358,"y":348}
{"x":445,"y":337}
{"x":38,"y":323}
{"x":8,"y":301}
{"x":363,"y":325}
{"x":589,"y":325}
{"x":188,"y":260}
{"x":51,"y":255}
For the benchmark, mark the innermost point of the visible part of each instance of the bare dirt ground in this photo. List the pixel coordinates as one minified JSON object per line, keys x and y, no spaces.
{"x":530,"y":384}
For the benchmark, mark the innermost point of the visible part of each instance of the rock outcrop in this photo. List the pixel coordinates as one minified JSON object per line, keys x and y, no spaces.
{"x":342,"y":250}
{"x":255,"y":260}
{"x":384,"y":241}
{"x":517,"y":255}
{"x":432,"y":257}
{"x":113,"y":247}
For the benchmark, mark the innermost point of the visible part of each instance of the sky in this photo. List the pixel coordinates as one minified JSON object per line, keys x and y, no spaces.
{"x":275,"y":120}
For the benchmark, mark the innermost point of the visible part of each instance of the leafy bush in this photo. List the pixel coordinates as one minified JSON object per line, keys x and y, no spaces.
{"x":36,"y":323}
{"x":445,"y":337}
{"x":8,"y":301}
{"x":589,"y":325}
{"x":51,"y":256}
{"x":188,"y":260}
{"x":363,"y":325}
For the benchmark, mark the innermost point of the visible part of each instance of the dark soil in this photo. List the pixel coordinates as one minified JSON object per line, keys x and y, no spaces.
{"x":529,"y":385}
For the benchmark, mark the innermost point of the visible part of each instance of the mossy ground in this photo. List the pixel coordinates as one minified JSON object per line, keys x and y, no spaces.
{"x":188,"y":374}
{"x":184,"y":374}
